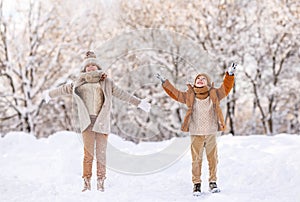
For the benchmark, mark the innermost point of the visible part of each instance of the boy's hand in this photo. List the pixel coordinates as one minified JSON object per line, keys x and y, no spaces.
{"x":231,"y":70}
{"x":162,"y":79}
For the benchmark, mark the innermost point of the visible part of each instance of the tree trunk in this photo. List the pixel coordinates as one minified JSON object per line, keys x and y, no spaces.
{"x":230,"y":115}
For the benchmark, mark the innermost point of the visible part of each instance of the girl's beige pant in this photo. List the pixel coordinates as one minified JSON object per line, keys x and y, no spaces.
{"x":94,"y":143}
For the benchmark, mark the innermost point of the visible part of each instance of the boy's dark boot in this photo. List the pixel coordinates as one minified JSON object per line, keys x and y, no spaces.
{"x":213,"y":188}
{"x":197,"y":189}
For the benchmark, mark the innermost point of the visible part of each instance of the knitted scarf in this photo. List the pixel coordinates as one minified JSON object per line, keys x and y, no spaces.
{"x":201,"y":92}
{"x":90,"y":77}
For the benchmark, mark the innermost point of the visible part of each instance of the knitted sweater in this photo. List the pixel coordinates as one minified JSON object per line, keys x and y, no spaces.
{"x":203,"y":118}
{"x":188,"y":97}
{"x":92,"y":96}
{"x":109,"y":89}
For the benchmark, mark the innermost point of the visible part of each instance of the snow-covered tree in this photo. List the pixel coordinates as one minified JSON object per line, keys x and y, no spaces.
{"x":215,"y":27}
{"x":273,"y":48}
{"x":232,"y":31}
{"x":30,"y":61}
{"x":40,"y":49}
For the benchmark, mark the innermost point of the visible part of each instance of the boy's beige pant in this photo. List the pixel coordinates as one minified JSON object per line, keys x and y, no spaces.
{"x":198,"y":144}
{"x":90,"y":140}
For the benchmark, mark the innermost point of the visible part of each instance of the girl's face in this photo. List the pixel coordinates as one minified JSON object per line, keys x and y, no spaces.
{"x":91,"y":67}
{"x":201,"y":81}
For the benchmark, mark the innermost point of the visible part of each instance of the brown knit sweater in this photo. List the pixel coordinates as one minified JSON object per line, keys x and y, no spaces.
{"x":203,"y":118}
{"x":188,"y":97}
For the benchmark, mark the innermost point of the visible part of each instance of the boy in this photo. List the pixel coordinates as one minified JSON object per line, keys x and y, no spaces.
{"x":203,"y":120}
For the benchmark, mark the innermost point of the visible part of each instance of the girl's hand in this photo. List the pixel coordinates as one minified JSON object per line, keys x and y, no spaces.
{"x":144,"y":105}
{"x":46,"y":96}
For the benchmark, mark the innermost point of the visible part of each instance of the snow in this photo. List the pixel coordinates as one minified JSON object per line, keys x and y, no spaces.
{"x":251,"y":168}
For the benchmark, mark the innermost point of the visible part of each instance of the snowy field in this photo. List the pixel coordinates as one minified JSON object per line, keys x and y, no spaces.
{"x":252,"y":168}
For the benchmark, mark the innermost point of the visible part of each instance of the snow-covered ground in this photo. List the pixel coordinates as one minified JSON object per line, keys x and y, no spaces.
{"x":253,"y":168}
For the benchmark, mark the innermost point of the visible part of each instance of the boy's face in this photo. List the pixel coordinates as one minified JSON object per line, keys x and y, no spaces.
{"x":91,"y":67}
{"x":201,"y":81}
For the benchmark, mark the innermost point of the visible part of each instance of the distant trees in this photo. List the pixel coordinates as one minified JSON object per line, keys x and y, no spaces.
{"x":38,"y":51}
{"x":31,"y":58}
{"x":262,"y":37}
{"x":273,"y":51}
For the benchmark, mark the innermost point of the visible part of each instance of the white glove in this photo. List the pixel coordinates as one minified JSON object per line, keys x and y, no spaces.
{"x":231,"y":70}
{"x":162,"y":79}
{"x":46,"y":96}
{"x":144,"y":105}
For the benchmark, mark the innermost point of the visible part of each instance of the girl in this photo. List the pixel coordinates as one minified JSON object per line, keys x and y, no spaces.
{"x":92,"y":93}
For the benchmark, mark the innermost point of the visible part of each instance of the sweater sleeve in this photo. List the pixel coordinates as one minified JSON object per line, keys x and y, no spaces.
{"x":65,"y":89}
{"x":226,"y":86}
{"x":174,"y":93}
{"x":124,"y":96}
